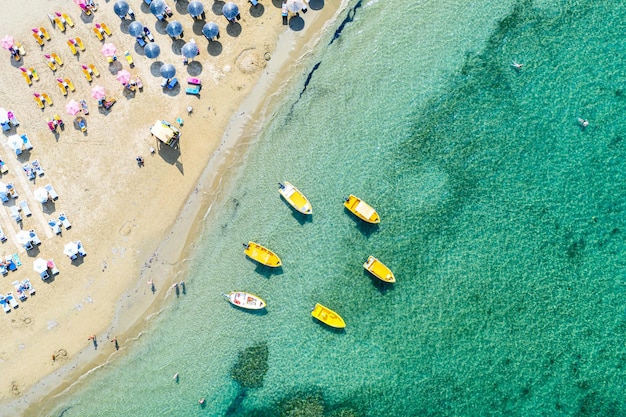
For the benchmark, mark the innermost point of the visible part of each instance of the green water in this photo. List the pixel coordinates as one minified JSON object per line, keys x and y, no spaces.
{"x":502,"y":219}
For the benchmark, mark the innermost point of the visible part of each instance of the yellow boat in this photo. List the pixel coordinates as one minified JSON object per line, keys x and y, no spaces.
{"x":262,"y":255}
{"x":295,"y":198}
{"x":379,"y":270}
{"x":245,"y":300}
{"x":328,"y":316}
{"x":361,"y":209}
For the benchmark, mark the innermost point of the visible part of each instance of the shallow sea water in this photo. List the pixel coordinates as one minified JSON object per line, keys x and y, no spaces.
{"x":502,"y":219}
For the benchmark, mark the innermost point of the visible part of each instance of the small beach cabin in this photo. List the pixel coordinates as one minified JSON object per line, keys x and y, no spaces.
{"x":166,"y":133}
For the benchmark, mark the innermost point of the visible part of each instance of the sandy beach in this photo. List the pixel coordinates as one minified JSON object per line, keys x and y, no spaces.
{"x":135,"y":222}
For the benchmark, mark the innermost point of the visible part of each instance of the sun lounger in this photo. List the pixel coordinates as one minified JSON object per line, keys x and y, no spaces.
{"x":99,"y":32}
{"x":52,"y":192}
{"x":105,"y":28}
{"x":57,"y":58}
{"x":80,"y":43}
{"x":193,"y":90}
{"x":45,"y":275}
{"x":148,"y":34}
{"x":53,"y":267}
{"x":87,"y":74}
{"x":5,"y":304}
{"x":4,"y":196}
{"x":37,"y":167}
{"x":56,"y":229}
{"x":3,"y":237}
{"x":27,"y":144}
{"x":10,"y":264}
{"x":15,"y":213}
{"x":3,"y":167}
{"x":81,"y":249}
{"x":164,"y":82}
{"x":39,"y":101}
{"x":38,"y":38}
{"x":85,"y":109}
{"x":19,"y":290}
{"x":27,"y":286}
{"x":25,"y":208}
{"x":62,"y":88}
{"x":3,"y":269}
{"x":172,"y":83}
{"x":47,"y":98}
{"x":64,"y":221}
{"x":131,"y":13}
{"x":34,"y":237}
{"x":29,"y":171}
{"x":72,"y":47}
{"x":11,"y":191}
{"x":45,"y":33}
{"x":12,"y":301}
{"x":194,"y":81}
{"x":27,"y":78}
{"x":94,"y":70}
{"x":16,"y":259}
{"x":59,"y":23}
{"x":51,"y":65}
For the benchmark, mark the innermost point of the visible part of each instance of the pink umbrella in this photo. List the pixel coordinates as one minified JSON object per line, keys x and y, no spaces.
{"x":108,"y":49}
{"x":80,"y":2}
{"x":98,"y":92}
{"x":123,"y":76}
{"x":72,"y":107}
{"x":7,"y":42}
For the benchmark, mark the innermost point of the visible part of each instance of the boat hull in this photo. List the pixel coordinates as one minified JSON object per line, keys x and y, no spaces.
{"x":246,"y":300}
{"x":295,"y":198}
{"x":328,"y":316}
{"x":361,"y":209}
{"x":379,"y":270}
{"x":262,"y":255}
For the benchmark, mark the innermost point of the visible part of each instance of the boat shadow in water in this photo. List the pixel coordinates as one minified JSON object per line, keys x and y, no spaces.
{"x":382,"y":286}
{"x":328,"y":328}
{"x":366,"y":229}
{"x":260,"y":312}
{"x":300,"y":218}
{"x":267,"y":271}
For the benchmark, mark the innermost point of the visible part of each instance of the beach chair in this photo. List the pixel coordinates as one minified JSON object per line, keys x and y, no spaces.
{"x":56,"y":229}
{"x":148,"y":34}
{"x":68,"y":20}
{"x":164,"y":82}
{"x":105,"y":28}
{"x":72,"y":47}
{"x":38,"y":38}
{"x":64,"y":221}
{"x":193,"y":90}
{"x":131,"y":13}
{"x":141,"y":41}
{"x":58,"y":22}
{"x":62,"y":88}
{"x":51,"y":64}
{"x":27,"y":78}
{"x":70,"y":84}
{"x":11,"y":191}
{"x":86,"y":73}
{"x":19,"y":290}
{"x":53,"y":267}
{"x":172,"y":83}
{"x":57,"y":58}
{"x":27,"y":144}
{"x":28,"y":170}
{"x":10,"y":263}
{"x":129,"y":58}
{"x":80,"y":43}
{"x":81,"y":249}
{"x":47,"y":98}
{"x":3,"y":237}
{"x":254,"y":2}
{"x":3,"y":269}
{"x":27,"y":286}
{"x":3,"y":167}
{"x":11,"y":299}
{"x":52,"y":192}
{"x":194,"y":81}
{"x":5,"y":304}
{"x":35,"y":239}
{"x":25,"y":208}
{"x":94,"y":70}
{"x":15,"y":213}
{"x":39,"y":101}
{"x":98,"y":33}
{"x":4,"y":197}
{"x":45,"y":33}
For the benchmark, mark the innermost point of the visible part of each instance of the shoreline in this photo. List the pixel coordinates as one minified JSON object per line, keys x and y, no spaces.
{"x":134,"y":312}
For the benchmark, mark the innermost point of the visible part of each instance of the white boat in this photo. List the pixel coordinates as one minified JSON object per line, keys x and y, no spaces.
{"x":245,"y":300}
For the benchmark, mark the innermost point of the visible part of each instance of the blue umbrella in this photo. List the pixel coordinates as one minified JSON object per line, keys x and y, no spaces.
{"x":195,"y":8}
{"x":157,"y":7}
{"x":210,"y":30}
{"x":152,"y":50}
{"x":190,"y":50}
{"x":230,"y":10}
{"x":136,"y":29}
{"x":168,"y":71}
{"x":174,"y":28}
{"x":121,"y":8}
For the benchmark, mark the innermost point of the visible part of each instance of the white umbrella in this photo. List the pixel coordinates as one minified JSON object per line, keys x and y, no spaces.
{"x":40,"y":265}
{"x":41,"y":195}
{"x":23,"y":237}
{"x":70,"y":249}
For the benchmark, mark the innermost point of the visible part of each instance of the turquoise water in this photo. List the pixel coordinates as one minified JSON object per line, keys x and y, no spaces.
{"x":502,"y":220}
